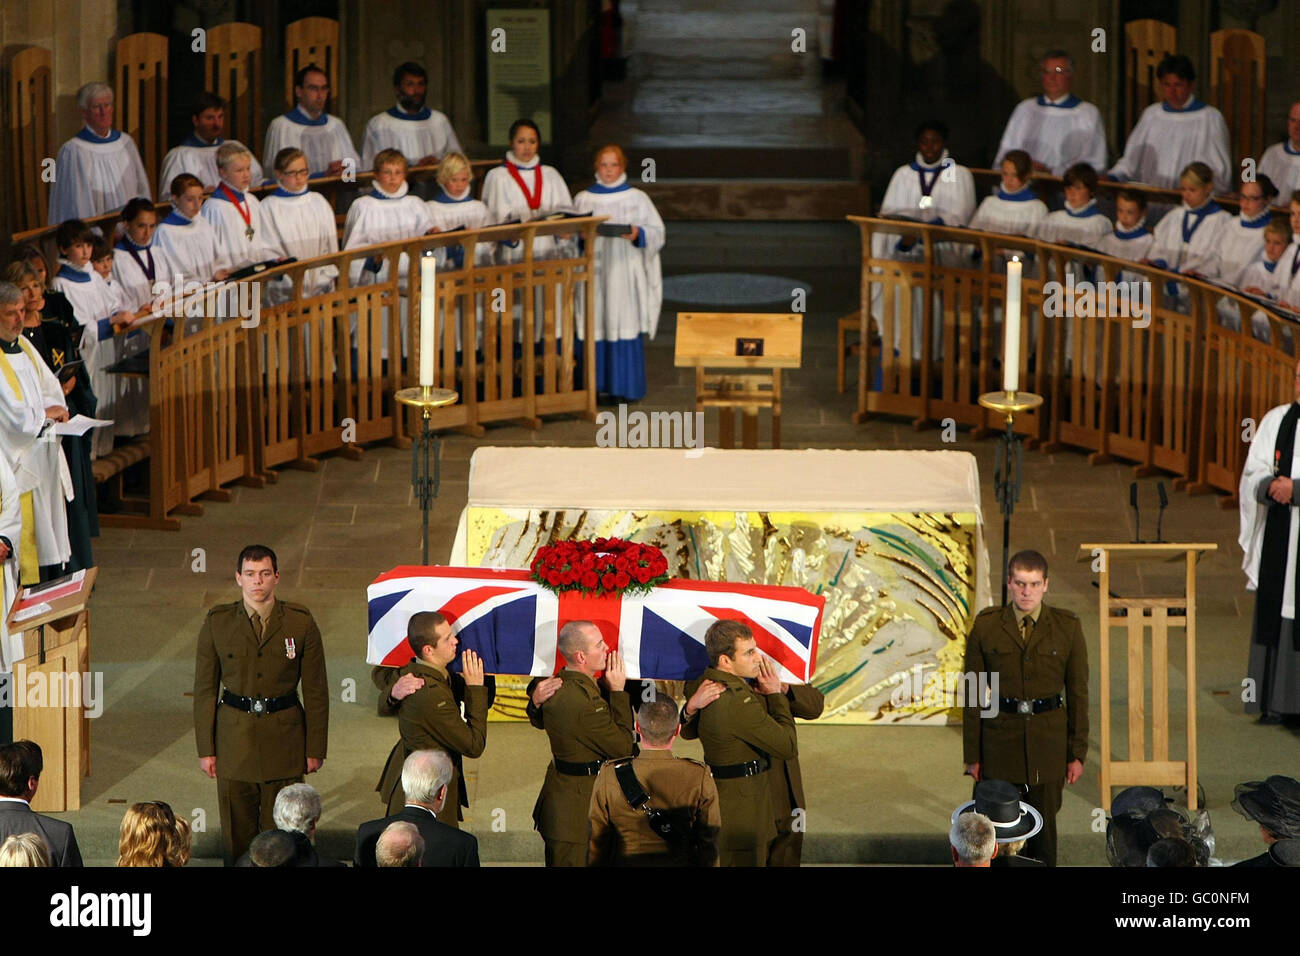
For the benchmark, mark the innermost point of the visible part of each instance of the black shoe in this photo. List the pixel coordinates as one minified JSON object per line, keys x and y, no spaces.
{"x":1269,"y":719}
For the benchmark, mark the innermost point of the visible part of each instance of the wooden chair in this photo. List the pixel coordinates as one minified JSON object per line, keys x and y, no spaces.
{"x":1146,"y":43}
{"x":1238,"y":66}
{"x":313,"y":40}
{"x":30,"y":109}
{"x":140,"y":87}
{"x":233,"y":70}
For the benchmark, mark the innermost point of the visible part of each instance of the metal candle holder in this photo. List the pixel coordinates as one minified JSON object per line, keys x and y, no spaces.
{"x":423,"y":481}
{"x":1008,"y":477}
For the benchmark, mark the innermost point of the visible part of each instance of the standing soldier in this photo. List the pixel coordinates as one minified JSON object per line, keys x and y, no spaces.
{"x":656,"y":809}
{"x":429,"y":718}
{"x":258,"y":649}
{"x":585,"y":730}
{"x":1038,"y":663}
{"x":788,"y":803}
{"x":743,"y":741}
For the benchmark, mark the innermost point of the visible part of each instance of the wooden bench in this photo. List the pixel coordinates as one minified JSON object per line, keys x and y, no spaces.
{"x":110,"y":469}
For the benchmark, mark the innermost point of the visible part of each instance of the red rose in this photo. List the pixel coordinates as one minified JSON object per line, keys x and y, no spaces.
{"x":642,"y":575}
{"x":622,"y":580}
{"x":608,"y":581}
{"x":622,"y":563}
{"x":590,"y":580}
{"x":553,"y":578}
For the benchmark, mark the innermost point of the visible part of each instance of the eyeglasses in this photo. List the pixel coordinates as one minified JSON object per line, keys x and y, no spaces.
{"x":295,"y":172}
{"x":1057,"y":70}
{"x":1253,"y":198}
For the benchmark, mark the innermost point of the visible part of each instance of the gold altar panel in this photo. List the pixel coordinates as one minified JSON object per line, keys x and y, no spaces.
{"x":899,"y":589}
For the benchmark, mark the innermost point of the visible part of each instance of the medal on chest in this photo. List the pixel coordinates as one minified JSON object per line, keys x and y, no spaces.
{"x":248,"y":232}
{"x":925,"y":202}
{"x":290,"y":648}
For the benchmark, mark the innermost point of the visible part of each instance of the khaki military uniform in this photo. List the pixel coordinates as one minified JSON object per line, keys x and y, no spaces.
{"x":741,"y":727}
{"x":1031,"y":749}
{"x":682,"y":788}
{"x":584,"y":730}
{"x":429,"y":719}
{"x":258,"y":754}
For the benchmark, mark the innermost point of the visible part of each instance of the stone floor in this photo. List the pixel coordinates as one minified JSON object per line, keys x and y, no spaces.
{"x":875,"y":793}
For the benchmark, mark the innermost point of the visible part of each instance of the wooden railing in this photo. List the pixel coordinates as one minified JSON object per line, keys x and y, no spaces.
{"x":232,"y":398}
{"x":1049,"y":188}
{"x":1166,"y":386}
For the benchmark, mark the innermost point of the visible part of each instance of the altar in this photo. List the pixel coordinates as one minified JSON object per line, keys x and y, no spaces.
{"x":894,"y":540}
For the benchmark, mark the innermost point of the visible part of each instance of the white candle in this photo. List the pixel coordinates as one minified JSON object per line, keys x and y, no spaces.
{"x":1011,"y":326}
{"x":428,"y":310}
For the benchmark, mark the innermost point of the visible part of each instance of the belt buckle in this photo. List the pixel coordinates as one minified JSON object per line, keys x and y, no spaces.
{"x":259,"y":706}
{"x":1024,"y":707}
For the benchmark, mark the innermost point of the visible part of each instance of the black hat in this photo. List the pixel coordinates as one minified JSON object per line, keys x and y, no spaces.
{"x":1133,"y":834}
{"x":1138,"y":799}
{"x":1000,"y":802}
{"x":1285,"y":852}
{"x":1273,"y":803}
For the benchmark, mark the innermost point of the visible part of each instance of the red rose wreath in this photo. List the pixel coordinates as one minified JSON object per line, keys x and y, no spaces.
{"x":602,"y":566}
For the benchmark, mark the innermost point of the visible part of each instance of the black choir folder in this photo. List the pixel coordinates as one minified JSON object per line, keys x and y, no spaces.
{"x":615,"y":229}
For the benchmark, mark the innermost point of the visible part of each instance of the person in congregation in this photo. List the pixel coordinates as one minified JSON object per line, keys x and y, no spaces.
{"x":1241,"y":240}
{"x":153,"y":836}
{"x":1188,"y":239}
{"x":322,"y":137}
{"x":51,"y":339}
{"x":21,"y":765}
{"x":1131,"y":239}
{"x":1056,"y":127}
{"x":521,"y":189}
{"x":297,"y":811}
{"x":1268,"y":519}
{"x":235,"y":214}
{"x":421,"y":134}
{"x":98,"y":312}
{"x":387,"y":213}
{"x":185,"y":236}
{"x":1274,"y":805}
{"x":1281,"y":161}
{"x":1014,"y":821}
{"x":973,"y":841}
{"x":197,"y":155}
{"x":99,"y":169}
{"x":31,"y":402}
{"x":1174,"y":132}
{"x":24,"y":850}
{"x":426,"y":776}
{"x":299,"y":224}
{"x":1081,"y":222}
{"x":629,"y":282}
{"x":400,"y":845}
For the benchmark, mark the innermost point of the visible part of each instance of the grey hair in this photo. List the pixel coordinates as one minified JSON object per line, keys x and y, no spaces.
{"x":90,"y":91}
{"x":974,"y":838}
{"x":10,"y":293}
{"x":1057,"y":55}
{"x":297,"y":807}
{"x":399,"y":845}
{"x":424,"y":773}
{"x":24,"y":849}
{"x":231,"y":150}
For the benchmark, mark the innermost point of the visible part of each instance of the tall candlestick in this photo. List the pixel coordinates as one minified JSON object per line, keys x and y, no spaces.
{"x":1011,"y":326}
{"x":428,"y":311}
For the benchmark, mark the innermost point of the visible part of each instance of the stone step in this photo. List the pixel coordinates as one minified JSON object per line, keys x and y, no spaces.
{"x":736,"y":199}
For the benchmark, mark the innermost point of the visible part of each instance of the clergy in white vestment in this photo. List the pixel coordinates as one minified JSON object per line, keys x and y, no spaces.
{"x":11,"y":529}
{"x":99,"y":169}
{"x":629,"y":282}
{"x":31,"y":401}
{"x":1180,"y":129}
{"x":299,"y":223}
{"x":1188,"y":238}
{"x":521,"y":189}
{"x":187,"y":239}
{"x":325,"y":140}
{"x":1056,"y":128}
{"x":197,"y":155}
{"x":387,"y":213}
{"x":139,"y":263}
{"x":1131,"y":238}
{"x":1281,"y":161}
{"x":421,"y":134}
{"x":1267,"y":499}
{"x":98,"y":312}
{"x":235,"y":214}
{"x":1080,"y":222}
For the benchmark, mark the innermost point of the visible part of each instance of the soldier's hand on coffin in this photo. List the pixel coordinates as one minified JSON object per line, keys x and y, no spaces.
{"x":405,"y":686}
{"x":768,"y":681}
{"x":615,"y":672}
{"x":1280,"y":490}
{"x":545,"y":690}
{"x":471,"y":668}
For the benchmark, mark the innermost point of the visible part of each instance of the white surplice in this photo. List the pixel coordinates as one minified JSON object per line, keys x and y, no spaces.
{"x":199,"y":158}
{"x":1057,"y":133}
{"x":1281,"y":164}
{"x":96,"y":175}
{"x":1165,"y":141}
{"x":93,"y":304}
{"x":300,"y":225}
{"x":11,"y":528}
{"x":323,"y":140}
{"x":506,"y":201}
{"x":416,"y":135}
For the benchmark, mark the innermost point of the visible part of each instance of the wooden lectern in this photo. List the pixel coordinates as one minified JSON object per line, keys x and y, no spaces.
{"x":739,"y":340}
{"x":1137,"y":614}
{"x":48,"y":686}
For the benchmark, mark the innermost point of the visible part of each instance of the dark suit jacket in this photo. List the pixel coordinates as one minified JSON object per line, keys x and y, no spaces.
{"x":443,"y":845}
{"x":58,"y":836}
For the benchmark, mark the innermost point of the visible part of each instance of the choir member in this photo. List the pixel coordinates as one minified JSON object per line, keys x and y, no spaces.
{"x":1288,"y":292}
{"x":97,"y":310}
{"x":1242,"y":241}
{"x":421,"y":134}
{"x":1056,"y":128}
{"x":1281,"y":161}
{"x":522,"y":189}
{"x":138,"y":265}
{"x":1013,"y":209}
{"x":197,"y":155}
{"x":1179,"y":130}
{"x":99,"y":169}
{"x":387,"y":213}
{"x":629,"y":284}
{"x":185,"y":236}
{"x":1188,"y":239}
{"x":307,"y":126}
{"x":299,"y":223}
{"x":235,"y":214}
{"x":454,"y":207}
{"x":1080,"y":222}
{"x":1262,"y":278}
{"x":1131,"y":239}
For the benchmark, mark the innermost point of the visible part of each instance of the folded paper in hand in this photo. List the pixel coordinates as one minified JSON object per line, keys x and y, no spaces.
{"x":79,"y":425}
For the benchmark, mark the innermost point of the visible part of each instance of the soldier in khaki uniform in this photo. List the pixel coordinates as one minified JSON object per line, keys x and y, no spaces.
{"x":788,"y":803}
{"x":743,"y":731}
{"x":261,"y":738}
{"x":429,"y":718}
{"x":1039,"y":737}
{"x":585,"y":730}
{"x":681,"y":788}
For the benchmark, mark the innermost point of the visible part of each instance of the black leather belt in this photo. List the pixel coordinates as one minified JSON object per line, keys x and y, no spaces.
{"x":258,"y":705}
{"x":733,"y":770}
{"x":1009,"y":705}
{"x":578,"y":769}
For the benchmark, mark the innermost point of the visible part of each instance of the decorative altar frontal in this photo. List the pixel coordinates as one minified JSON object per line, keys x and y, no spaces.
{"x":893,"y":540}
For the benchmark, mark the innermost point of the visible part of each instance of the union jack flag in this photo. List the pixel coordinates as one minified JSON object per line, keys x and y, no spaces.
{"x":512,"y":622}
